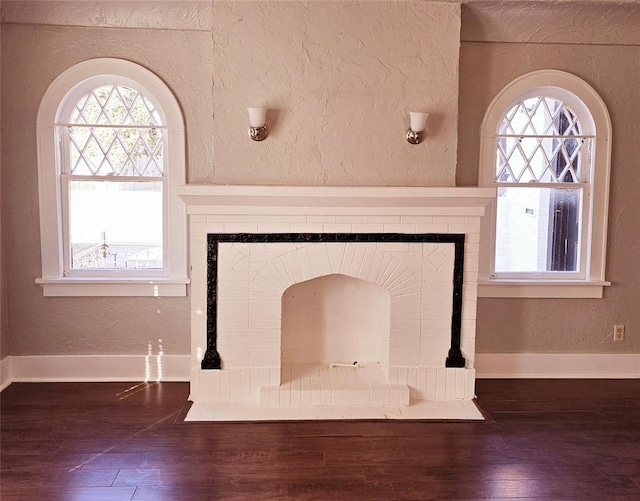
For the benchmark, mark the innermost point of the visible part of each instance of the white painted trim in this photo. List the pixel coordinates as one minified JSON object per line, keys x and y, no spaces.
{"x":89,"y":368}
{"x":329,"y":200}
{"x":6,"y":372}
{"x":557,"y":365}
{"x":382,"y":192}
{"x":93,"y":287}
{"x":194,"y":210}
{"x":106,"y":368}
{"x":546,"y":289}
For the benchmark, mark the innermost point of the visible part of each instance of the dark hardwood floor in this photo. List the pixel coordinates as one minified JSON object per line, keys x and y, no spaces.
{"x":543,"y":440}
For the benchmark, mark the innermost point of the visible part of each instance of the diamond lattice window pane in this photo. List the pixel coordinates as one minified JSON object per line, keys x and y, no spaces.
{"x":539,"y":141}
{"x":115,"y":130}
{"x":139,"y":112}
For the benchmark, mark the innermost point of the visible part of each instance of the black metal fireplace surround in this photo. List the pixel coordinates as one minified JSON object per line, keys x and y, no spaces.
{"x":212,"y":358}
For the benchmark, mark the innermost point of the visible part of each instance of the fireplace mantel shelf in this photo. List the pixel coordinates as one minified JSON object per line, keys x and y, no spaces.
{"x":463,"y":201}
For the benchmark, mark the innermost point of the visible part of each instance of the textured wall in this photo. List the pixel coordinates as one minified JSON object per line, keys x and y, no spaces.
{"x":575,"y":22}
{"x":160,"y":14}
{"x":564,"y":325}
{"x":339,"y":78}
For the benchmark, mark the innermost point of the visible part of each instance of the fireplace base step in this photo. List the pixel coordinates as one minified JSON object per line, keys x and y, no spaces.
{"x":317,"y":385}
{"x":392,"y":395}
{"x":459,"y":410}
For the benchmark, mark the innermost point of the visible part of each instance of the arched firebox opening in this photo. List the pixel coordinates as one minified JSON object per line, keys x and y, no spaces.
{"x":335,"y":319}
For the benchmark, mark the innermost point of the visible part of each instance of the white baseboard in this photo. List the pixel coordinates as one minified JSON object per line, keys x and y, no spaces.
{"x":92,"y":368}
{"x":6,"y":372}
{"x":557,"y":365}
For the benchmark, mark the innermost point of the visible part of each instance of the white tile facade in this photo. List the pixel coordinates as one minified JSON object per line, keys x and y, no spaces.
{"x":252,"y":279}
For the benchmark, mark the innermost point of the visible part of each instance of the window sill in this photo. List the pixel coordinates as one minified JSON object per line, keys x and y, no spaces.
{"x":542,"y":289}
{"x":87,"y":287}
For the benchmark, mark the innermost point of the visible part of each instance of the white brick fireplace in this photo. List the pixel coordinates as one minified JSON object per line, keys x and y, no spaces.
{"x":395,"y":338}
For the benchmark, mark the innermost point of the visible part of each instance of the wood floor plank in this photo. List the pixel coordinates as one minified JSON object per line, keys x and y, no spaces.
{"x":482,"y":472}
{"x":66,"y":494}
{"x":250,"y":492}
{"x":330,"y":491}
{"x":544,"y":441}
{"x":585,"y":489}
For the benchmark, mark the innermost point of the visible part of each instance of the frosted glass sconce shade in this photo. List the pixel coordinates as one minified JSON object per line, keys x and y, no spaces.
{"x":257,"y":122}
{"x":416,"y":130}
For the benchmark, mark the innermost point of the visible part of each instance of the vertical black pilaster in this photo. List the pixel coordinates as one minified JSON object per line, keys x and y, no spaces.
{"x":455,"y":358}
{"x":211,"y":359}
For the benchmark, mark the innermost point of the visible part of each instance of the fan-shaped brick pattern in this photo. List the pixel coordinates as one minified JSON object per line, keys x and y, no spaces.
{"x":354,"y":260}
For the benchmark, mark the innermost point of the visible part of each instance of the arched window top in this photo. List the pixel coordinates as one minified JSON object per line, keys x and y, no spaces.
{"x":58,"y":105}
{"x":546,"y":104}
{"x":113,"y":105}
{"x":539,"y":140}
{"x":539,"y":116}
{"x":112,"y":130}
{"x":577,"y":96}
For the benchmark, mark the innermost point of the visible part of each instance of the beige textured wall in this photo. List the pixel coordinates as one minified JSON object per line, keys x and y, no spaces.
{"x":563,"y":325}
{"x":149,"y":14}
{"x":340,"y":76}
{"x":574,"y":22}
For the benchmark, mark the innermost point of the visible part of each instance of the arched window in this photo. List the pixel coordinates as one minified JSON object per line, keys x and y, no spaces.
{"x":545,"y":147}
{"x":111,"y":154}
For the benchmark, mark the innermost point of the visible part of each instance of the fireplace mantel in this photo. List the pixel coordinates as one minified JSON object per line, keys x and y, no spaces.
{"x":352,"y":200}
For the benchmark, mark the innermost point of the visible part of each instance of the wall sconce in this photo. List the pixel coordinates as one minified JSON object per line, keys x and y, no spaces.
{"x":257,"y":120}
{"x":418,"y":123}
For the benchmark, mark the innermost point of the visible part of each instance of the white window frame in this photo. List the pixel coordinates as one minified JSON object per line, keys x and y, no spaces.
{"x":593,"y":116}
{"x":70,"y":85}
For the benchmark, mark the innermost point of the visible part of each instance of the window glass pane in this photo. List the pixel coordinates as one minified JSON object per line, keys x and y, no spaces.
{"x":115,"y":225}
{"x":108,"y":151}
{"x":115,"y":105}
{"x":537,"y":229}
{"x":540,"y":116}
